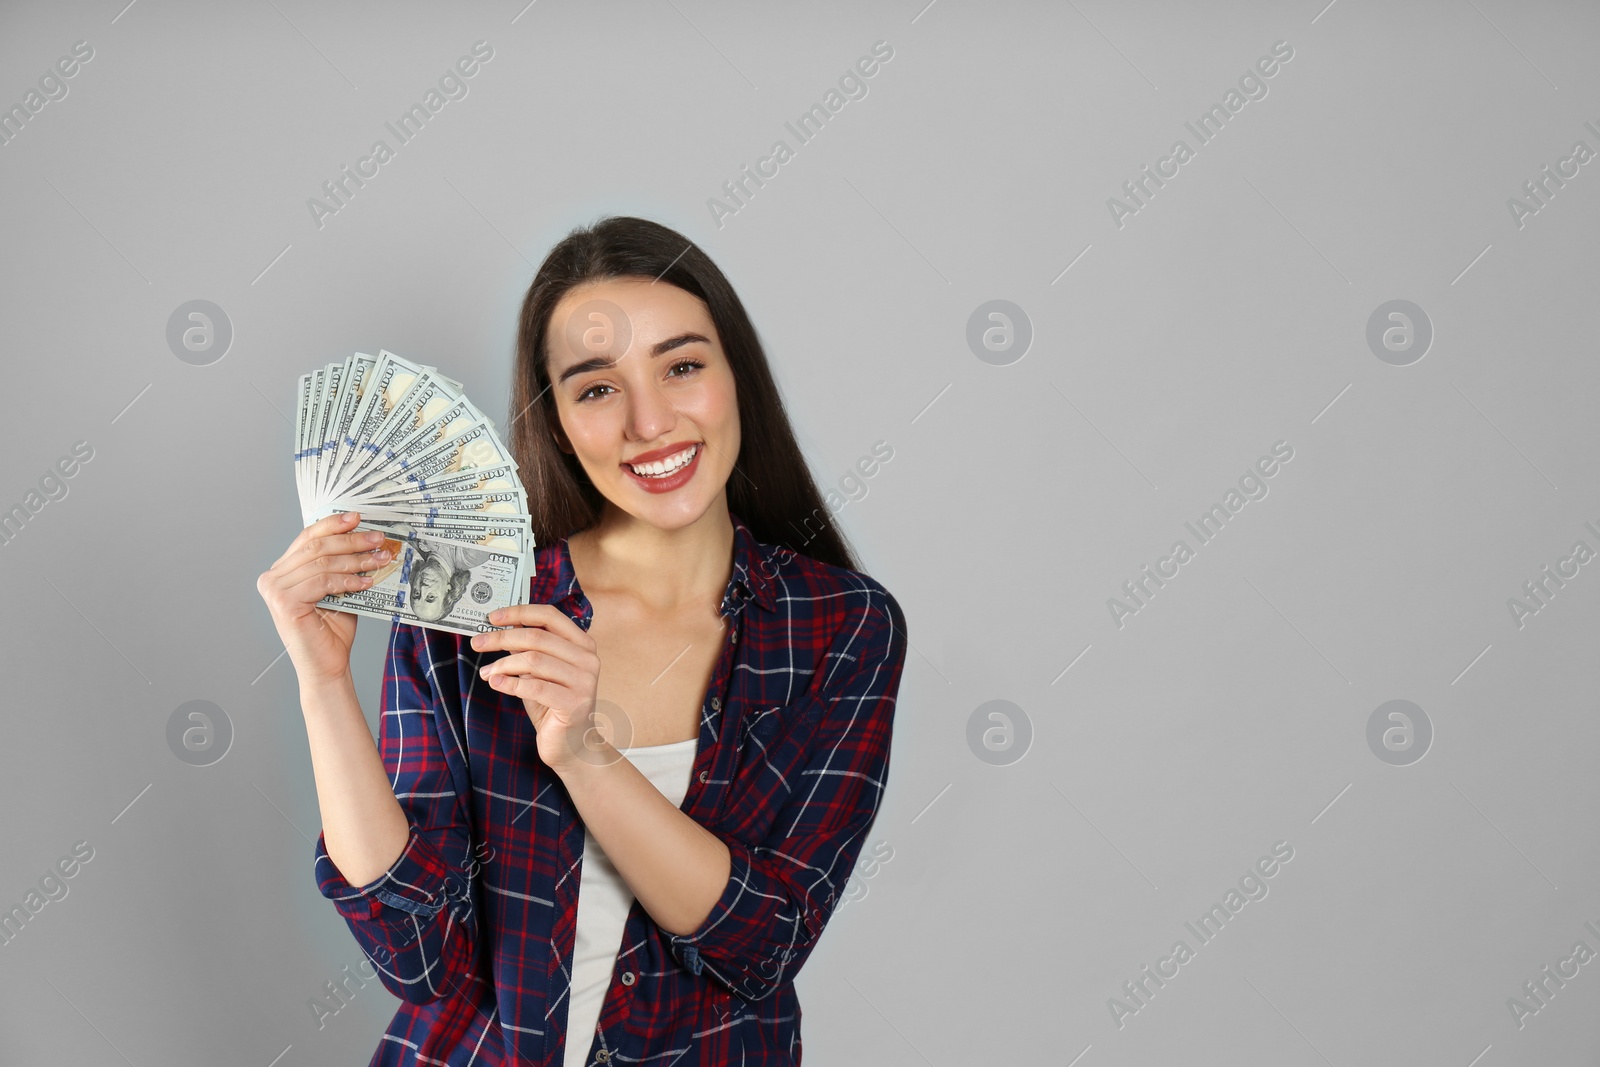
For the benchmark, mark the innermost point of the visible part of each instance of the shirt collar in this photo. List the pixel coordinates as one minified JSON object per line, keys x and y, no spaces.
{"x":753,"y":569}
{"x":556,"y":582}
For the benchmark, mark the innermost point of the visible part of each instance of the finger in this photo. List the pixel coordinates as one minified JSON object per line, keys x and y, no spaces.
{"x":330,"y":524}
{"x":526,"y":638}
{"x":340,"y":544}
{"x":314,"y":588}
{"x":534,"y":690}
{"x":342,"y":563}
{"x":535,"y":665}
{"x":342,"y":524}
{"x":548,"y":616}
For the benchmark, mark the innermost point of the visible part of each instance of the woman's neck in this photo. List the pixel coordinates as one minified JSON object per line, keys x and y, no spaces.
{"x":666,"y":571}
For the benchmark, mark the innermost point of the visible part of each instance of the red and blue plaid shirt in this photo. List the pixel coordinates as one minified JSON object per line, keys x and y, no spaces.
{"x":473,"y":926}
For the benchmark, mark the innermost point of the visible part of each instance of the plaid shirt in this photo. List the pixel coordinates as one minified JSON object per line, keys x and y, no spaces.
{"x":473,"y":926}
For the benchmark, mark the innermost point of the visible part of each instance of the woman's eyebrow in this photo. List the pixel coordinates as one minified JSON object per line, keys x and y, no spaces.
{"x":659,"y":348}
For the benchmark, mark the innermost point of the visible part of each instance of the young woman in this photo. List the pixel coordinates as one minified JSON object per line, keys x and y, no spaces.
{"x":612,"y":832}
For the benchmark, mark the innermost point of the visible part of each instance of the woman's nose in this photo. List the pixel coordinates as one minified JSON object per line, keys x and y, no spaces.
{"x":650,"y":413}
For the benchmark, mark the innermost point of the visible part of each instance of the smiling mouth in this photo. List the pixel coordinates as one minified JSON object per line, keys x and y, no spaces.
{"x":662,"y":468}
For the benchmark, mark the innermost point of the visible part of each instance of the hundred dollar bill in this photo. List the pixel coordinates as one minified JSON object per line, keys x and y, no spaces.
{"x":475,"y":447}
{"x":305,"y":458}
{"x":422,"y":401}
{"x":437,"y":582}
{"x":319,"y":426}
{"x":466,"y":505}
{"x":396,"y":441}
{"x":426,"y":416}
{"x":392,"y":378}
{"x":418,"y":399}
{"x":357,"y":372}
{"x":511,"y":538}
{"x":321,"y":446}
{"x":451,"y":382}
{"x":303,"y":390}
{"x":500,"y":478}
{"x":510,"y":534}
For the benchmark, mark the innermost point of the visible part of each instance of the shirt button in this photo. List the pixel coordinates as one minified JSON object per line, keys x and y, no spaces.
{"x":627,"y":977}
{"x":716,"y":703}
{"x":604,"y":1056}
{"x":702,"y":777}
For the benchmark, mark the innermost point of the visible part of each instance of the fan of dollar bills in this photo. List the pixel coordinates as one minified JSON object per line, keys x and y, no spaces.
{"x":397,"y":442}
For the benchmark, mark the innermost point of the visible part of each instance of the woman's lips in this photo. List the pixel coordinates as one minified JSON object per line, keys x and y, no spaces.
{"x":668,"y":482}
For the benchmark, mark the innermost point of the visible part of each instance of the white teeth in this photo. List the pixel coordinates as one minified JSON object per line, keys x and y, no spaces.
{"x":666,"y":466}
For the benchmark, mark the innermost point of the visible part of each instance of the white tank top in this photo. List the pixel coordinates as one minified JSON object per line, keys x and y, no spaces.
{"x":604,"y":900}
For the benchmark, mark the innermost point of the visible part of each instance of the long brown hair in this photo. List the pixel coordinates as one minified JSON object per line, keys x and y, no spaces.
{"x":770,"y":488}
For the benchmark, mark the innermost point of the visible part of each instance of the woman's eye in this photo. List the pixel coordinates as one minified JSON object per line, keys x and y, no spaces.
{"x":690,"y":364}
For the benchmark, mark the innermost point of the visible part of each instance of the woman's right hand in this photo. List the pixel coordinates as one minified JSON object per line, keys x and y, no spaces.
{"x":325,"y":557}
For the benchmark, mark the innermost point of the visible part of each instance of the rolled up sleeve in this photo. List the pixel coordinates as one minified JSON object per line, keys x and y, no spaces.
{"x":782,"y":891}
{"x":416,"y":921}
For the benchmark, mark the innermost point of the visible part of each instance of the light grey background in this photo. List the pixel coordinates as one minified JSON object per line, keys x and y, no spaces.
{"x":1166,"y":755}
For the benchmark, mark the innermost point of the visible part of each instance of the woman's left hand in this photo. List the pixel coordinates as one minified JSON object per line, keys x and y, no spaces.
{"x":554,"y":666}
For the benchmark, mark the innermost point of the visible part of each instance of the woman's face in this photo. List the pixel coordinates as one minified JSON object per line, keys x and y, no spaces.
{"x":639,"y":376}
